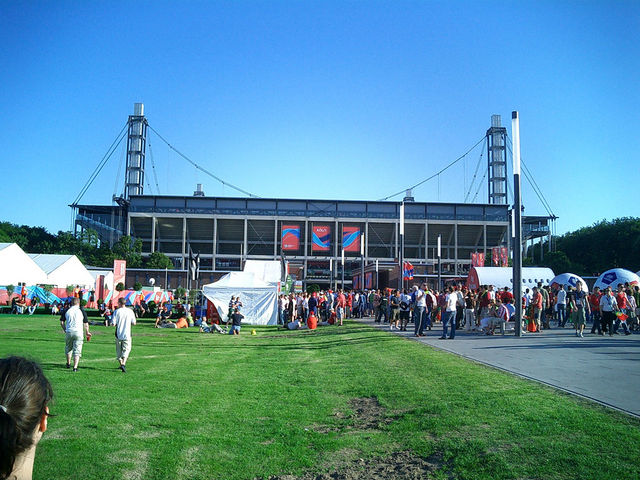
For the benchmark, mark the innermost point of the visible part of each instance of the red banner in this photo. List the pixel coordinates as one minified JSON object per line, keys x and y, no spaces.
{"x":351,"y":239}
{"x":481,"y":259}
{"x":504,"y":256}
{"x":290,"y":237}
{"x":321,"y":238}
{"x":495,"y":256}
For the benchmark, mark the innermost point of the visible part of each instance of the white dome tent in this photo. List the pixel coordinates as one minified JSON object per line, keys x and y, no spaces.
{"x":568,"y":280}
{"x":612,"y":278}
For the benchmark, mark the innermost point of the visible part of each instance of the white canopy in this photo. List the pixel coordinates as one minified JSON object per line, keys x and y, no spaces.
{"x":63,"y":270}
{"x":501,"y":277}
{"x":568,"y":280}
{"x":611,"y":278}
{"x":259,"y":298}
{"x":269,"y":271}
{"x":17,"y":267}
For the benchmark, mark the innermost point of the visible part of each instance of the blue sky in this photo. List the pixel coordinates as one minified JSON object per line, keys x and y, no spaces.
{"x":306,"y":99}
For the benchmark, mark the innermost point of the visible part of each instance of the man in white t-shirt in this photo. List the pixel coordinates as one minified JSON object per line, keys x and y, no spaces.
{"x":561,"y":306}
{"x":73,"y":321}
{"x":123,"y":318}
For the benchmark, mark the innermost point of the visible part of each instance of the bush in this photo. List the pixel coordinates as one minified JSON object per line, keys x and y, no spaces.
{"x":137,"y":286}
{"x":120,"y":287}
{"x":152,"y":307}
{"x":100,"y":301}
{"x":69,"y":290}
{"x":314,"y":287}
{"x":179,"y":293}
{"x":10,"y":290}
{"x":83,"y":302}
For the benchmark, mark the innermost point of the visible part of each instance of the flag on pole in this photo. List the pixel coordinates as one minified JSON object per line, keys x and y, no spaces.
{"x":407,"y":273}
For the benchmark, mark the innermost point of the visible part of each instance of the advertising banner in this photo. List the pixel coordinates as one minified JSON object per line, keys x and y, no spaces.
{"x":290,"y":237}
{"x":351,"y":239}
{"x":495,"y":256}
{"x":504,"y":257}
{"x":321,"y":238}
{"x":368,"y":280}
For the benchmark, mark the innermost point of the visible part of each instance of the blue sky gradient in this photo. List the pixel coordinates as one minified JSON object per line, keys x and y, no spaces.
{"x":349,"y":100}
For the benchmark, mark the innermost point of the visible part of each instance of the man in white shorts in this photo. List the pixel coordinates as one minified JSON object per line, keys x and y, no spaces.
{"x":72,"y":322}
{"x":123,"y":318}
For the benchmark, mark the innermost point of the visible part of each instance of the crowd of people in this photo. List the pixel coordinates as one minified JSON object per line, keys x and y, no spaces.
{"x":483,"y":310}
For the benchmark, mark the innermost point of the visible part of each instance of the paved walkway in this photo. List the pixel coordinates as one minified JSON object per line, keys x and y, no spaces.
{"x":602,"y":368}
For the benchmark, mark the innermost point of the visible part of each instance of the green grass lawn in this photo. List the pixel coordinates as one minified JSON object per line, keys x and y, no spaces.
{"x":211,"y":406}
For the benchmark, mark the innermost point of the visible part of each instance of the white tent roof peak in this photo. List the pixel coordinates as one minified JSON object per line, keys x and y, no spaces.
{"x":63,"y":270}
{"x":240,"y":280}
{"x":16,"y":266}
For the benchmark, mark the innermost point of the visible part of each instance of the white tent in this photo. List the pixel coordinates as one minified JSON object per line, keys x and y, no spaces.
{"x":269,"y":271}
{"x":259,"y":298}
{"x":612,"y":278}
{"x":17,"y":267}
{"x":501,"y":277}
{"x":568,"y":280}
{"x":63,"y":270}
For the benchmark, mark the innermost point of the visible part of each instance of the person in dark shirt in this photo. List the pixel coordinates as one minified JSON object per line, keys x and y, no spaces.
{"x":236,"y":322}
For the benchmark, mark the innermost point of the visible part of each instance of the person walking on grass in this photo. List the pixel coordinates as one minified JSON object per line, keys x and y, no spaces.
{"x":123,"y":318}
{"x":72,"y":321}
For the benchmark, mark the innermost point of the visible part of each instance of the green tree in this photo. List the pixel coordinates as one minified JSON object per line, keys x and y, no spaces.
{"x":130,"y":250}
{"x":159,"y":260}
{"x":137,"y":286}
{"x":180,"y":293}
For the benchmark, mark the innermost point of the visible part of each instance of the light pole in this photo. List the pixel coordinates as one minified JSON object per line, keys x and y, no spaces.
{"x":377,"y":278}
{"x":439,"y":263}
{"x":401,"y":245}
{"x":517,"y":211}
{"x":330,"y":273}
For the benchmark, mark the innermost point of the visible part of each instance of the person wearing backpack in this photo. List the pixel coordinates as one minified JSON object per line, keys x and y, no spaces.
{"x":394,"y":303}
{"x":405,"y":305}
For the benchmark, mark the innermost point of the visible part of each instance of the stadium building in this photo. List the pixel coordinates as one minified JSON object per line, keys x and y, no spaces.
{"x":315,"y":237}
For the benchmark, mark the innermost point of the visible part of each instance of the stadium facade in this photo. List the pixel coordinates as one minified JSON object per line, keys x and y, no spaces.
{"x":310,"y":234}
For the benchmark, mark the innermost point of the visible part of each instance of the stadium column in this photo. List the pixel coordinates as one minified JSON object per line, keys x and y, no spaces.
{"x":184,"y":239}
{"x":275,"y":238}
{"x":215,"y":242}
{"x":246,"y":242}
{"x":153,"y":233}
{"x":455,"y":248}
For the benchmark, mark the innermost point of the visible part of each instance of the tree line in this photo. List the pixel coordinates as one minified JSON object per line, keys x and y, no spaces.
{"x":589,"y":251}
{"x":86,"y":246}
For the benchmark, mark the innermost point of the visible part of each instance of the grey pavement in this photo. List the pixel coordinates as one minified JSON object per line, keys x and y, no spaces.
{"x":601,"y":368}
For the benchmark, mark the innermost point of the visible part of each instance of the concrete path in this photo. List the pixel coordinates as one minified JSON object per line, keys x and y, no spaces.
{"x":601,"y":368}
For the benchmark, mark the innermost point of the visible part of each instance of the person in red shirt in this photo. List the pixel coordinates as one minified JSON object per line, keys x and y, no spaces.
{"x":621,"y":298}
{"x":536,"y":303}
{"x":594,"y":302}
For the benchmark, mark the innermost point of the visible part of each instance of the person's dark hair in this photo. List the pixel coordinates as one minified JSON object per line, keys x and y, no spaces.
{"x":24,"y":395}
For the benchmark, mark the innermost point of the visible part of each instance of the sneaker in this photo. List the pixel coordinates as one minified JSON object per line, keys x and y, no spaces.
{"x":390,"y":327}
{"x":581,"y":336}
{"x":68,"y":365}
{"x":75,"y":369}
{"x":124,"y":370}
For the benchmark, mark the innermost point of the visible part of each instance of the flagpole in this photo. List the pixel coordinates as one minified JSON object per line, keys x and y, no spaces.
{"x":401,"y":245}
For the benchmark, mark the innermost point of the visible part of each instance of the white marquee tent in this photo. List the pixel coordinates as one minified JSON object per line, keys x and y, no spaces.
{"x":501,"y":277}
{"x":269,"y":271}
{"x":63,"y":270}
{"x":259,"y":298}
{"x":17,"y":267}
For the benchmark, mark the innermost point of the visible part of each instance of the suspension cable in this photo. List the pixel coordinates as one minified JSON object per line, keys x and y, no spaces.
{"x":203,"y":170}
